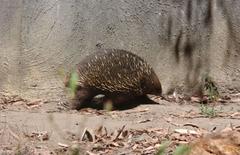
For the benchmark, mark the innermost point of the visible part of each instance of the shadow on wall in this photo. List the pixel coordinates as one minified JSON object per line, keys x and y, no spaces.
{"x":233,"y":40}
{"x":38,"y":37}
{"x":191,"y":45}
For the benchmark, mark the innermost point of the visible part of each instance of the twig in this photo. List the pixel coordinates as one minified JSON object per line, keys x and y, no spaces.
{"x":119,"y":133}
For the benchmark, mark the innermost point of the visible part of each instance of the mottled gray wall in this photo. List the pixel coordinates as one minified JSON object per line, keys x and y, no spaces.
{"x":182,"y":39}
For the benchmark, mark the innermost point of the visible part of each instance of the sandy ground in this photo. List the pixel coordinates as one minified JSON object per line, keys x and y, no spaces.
{"x":47,"y":128}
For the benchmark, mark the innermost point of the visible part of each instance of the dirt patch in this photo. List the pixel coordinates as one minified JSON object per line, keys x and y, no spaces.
{"x":37,"y":126}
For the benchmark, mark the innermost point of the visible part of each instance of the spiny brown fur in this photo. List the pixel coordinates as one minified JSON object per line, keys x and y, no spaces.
{"x":118,"y":74}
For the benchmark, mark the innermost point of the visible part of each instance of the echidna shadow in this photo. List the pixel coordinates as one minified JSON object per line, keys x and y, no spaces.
{"x":121,"y":76}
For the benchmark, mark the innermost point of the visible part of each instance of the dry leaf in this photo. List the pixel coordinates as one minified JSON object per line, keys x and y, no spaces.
{"x":236,"y":114}
{"x":90,"y":153}
{"x":186,"y":131}
{"x":144,"y":121}
{"x":42,"y":136}
{"x":87,"y":136}
{"x":135,"y":146}
{"x":63,"y":145}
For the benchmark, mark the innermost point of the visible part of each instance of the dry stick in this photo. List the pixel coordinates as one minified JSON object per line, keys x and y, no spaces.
{"x":1,"y":131}
{"x":13,"y":134}
{"x":192,"y":125}
{"x":119,"y":133}
{"x":170,"y":122}
{"x":237,"y":127}
{"x":63,"y":145}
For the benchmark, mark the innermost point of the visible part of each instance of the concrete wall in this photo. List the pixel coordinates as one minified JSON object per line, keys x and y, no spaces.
{"x":182,"y":39}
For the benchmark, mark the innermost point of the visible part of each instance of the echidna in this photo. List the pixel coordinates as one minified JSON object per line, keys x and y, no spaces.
{"x":118,"y":74}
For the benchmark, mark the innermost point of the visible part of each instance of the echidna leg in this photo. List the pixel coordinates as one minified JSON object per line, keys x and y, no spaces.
{"x":120,"y":101}
{"x":83,"y":98}
{"x":123,"y":102}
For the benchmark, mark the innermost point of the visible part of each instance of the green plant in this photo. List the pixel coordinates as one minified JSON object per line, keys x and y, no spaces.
{"x":18,"y":150}
{"x":108,"y":105}
{"x":182,"y":150}
{"x":208,"y":111}
{"x":74,"y":150}
{"x":162,"y":148}
{"x":73,"y":80}
{"x":210,"y":89}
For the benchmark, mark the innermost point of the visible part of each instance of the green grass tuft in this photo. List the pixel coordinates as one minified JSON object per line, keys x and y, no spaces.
{"x":208,"y":111}
{"x":182,"y":150}
{"x":162,"y":148}
{"x":73,"y":81}
{"x":210,"y":89}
